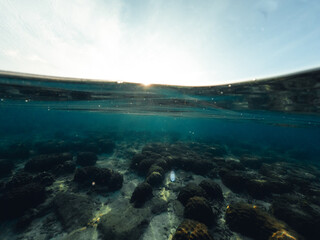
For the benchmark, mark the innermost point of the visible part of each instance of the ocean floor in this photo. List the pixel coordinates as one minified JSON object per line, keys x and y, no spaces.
{"x":136,"y":187}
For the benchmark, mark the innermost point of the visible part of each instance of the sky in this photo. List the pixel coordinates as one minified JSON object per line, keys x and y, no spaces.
{"x":181,"y":42}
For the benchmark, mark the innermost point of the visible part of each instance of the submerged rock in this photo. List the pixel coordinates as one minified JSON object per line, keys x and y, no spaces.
{"x":257,"y":186}
{"x":18,"y":180}
{"x":44,"y":178}
{"x":235,"y":180}
{"x":65,"y":168}
{"x":300,"y":214}
{"x":252,"y":162}
{"x":251,"y":221}
{"x":105,"y":146}
{"x":99,"y":178}
{"x":212,"y":189}
{"x":192,"y":230}
{"x":124,"y":223}
{"x":16,"y":200}
{"x":199,"y":209}
{"x":23,"y":192}
{"x":189,"y":191}
{"x":73,"y":210}
{"x":141,"y":194}
{"x":6,"y":167}
{"x":17,"y":151}
{"x":87,"y":159}
{"x":46,"y":162}
{"x":154,"y":179}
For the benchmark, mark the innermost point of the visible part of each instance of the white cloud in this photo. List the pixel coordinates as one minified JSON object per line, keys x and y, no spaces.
{"x":11,"y":53}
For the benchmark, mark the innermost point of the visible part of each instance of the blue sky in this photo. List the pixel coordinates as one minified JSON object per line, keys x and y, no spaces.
{"x":185,"y":42}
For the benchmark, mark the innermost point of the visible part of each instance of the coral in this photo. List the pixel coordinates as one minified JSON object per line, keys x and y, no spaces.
{"x":299,"y":213}
{"x":15,"y":201}
{"x":86,"y":159}
{"x":103,"y":178}
{"x":251,"y":221}
{"x":192,"y":230}
{"x":141,"y":194}
{"x":212,"y":189}
{"x":199,"y":209}
{"x":154,"y":179}
{"x":155,"y":168}
{"x":282,"y":235}
{"x":5,"y":167}
{"x":46,"y":162}
{"x":190,"y":191}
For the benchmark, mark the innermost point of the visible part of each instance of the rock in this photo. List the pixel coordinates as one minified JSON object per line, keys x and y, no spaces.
{"x":235,"y":180}
{"x":213,"y":173}
{"x":46,"y":162}
{"x":16,"y":200}
{"x":103,"y":179}
{"x":192,"y":230}
{"x":199,"y":209}
{"x":252,"y":222}
{"x":141,"y":194}
{"x":24,"y":221}
{"x":251,"y":162}
{"x":154,"y":179}
{"x":264,"y":187}
{"x":73,"y":210}
{"x":282,"y":235}
{"x":44,"y":178}
{"x":298,"y":213}
{"x":194,"y":164}
{"x":124,"y":223}
{"x":87,"y":159}
{"x":189,"y":191}
{"x":6,"y":167}
{"x":158,"y":205}
{"x":155,"y":168}
{"x":18,"y":180}
{"x":145,"y":165}
{"x":190,"y":157}
{"x":81,"y":234}
{"x":212,"y":189}
{"x":65,"y":168}
{"x":106,"y":146}
{"x":255,"y":185}
{"x":18,"y":151}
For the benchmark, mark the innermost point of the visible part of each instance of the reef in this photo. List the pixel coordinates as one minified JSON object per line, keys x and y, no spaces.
{"x":100,"y":179}
{"x":189,"y":191}
{"x":125,"y":222}
{"x":192,"y":230}
{"x":141,"y":194}
{"x":199,"y":209}
{"x":47,"y":162}
{"x":86,"y":159}
{"x":23,"y":192}
{"x":212,"y":189}
{"x":302,"y":214}
{"x":73,"y":210}
{"x":6,"y":167}
{"x":69,"y":190}
{"x":251,"y":221}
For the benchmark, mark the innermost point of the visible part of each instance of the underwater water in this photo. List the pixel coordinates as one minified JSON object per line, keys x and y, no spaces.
{"x":90,"y":160}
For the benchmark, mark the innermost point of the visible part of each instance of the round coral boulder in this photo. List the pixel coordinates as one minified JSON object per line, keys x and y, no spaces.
{"x":86,"y":159}
{"x":212,"y":189}
{"x":199,"y":209}
{"x":192,"y":230}
{"x":141,"y":194}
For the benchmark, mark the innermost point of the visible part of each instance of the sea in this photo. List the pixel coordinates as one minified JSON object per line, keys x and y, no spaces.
{"x":86,"y":159}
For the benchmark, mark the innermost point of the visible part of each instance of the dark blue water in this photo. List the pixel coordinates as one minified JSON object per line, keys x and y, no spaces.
{"x":276,"y":119}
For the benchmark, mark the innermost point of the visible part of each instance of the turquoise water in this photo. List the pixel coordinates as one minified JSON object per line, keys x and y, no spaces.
{"x":275,"y":121}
